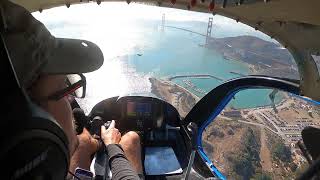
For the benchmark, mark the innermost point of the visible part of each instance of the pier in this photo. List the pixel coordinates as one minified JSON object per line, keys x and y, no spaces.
{"x":237,"y":73}
{"x":199,"y":76}
{"x":190,"y":85}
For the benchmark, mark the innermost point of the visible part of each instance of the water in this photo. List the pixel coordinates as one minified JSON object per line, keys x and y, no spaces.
{"x":176,"y":52}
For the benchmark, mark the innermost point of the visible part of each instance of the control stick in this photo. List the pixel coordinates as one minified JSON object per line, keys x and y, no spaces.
{"x":193,"y":129}
{"x":96,"y":123}
{"x":100,"y":166}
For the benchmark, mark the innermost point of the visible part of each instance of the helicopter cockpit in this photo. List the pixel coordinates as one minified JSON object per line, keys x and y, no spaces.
{"x":175,"y":132}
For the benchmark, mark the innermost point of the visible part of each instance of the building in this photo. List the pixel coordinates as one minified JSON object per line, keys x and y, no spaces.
{"x":232,"y":114}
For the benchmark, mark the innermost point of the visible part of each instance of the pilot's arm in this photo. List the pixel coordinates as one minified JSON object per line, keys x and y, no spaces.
{"x":119,"y":164}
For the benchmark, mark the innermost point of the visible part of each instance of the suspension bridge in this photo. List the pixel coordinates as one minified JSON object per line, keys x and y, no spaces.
{"x":207,"y":35}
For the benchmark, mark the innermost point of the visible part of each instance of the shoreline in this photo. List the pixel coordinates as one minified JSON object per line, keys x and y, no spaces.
{"x":155,"y":83}
{"x":184,"y":100}
{"x":181,"y":98}
{"x":197,"y":98}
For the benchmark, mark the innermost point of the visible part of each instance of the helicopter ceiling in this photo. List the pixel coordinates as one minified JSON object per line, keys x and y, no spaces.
{"x":293,"y":23}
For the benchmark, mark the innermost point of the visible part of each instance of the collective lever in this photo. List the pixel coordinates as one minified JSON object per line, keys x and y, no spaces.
{"x":80,"y":119}
{"x":193,"y":129}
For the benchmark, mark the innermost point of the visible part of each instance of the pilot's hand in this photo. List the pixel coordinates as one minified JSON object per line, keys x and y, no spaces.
{"x":87,"y":143}
{"x":110,"y":135}
{"x":83,"y":153}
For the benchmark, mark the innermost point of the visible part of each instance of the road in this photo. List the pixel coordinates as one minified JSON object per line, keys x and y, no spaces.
{"x":272,"y":122}
{"x":265,"y":154}
{"x":258,"y":124}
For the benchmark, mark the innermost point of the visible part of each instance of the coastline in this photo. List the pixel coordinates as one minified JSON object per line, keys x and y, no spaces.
{"x":253,"y":69}
{"x":197,"y":98}
{"x":184,"y":100}
{"x":181,"y":98}
{"x":275,"y":71}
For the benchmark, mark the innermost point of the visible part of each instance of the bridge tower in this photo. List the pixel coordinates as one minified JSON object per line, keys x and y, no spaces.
{"x":163,"y":22}
{"x":208,"y":36}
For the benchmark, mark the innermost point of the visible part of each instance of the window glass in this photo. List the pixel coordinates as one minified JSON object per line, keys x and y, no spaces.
{"x":260,"y":141}
{"x":166,"y":52}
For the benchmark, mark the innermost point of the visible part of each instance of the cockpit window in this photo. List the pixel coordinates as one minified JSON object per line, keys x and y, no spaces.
{"x":176,"y":55}
{"x":261,"y":140}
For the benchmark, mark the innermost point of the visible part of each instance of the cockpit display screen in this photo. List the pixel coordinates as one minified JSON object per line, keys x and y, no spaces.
{"x":138,"y":109}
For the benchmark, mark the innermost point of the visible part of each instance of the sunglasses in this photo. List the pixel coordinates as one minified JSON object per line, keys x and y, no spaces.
{"x":76,"y":86}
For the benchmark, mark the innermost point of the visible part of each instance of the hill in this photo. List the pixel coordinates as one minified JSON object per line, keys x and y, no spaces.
{"x":266,"y":57}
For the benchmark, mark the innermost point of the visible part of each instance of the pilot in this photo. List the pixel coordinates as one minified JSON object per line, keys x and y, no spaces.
{"x":41,"y":62}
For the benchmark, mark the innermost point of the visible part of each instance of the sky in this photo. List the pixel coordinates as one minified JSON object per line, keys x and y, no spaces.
{"x":122,"y":10}
{"x":115,"y":13}
{"x":118,"y":22}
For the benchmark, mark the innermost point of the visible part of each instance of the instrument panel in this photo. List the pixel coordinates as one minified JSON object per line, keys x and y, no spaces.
{"x":141,"y":114}
{"x":137,"y":113}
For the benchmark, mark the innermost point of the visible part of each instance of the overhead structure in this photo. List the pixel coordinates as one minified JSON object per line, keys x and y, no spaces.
{"x":293,"y":23}
{"x":163,"y":22}
{"x":209,"y":28}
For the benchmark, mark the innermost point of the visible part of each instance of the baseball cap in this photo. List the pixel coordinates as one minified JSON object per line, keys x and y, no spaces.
{"x":34,"y":51}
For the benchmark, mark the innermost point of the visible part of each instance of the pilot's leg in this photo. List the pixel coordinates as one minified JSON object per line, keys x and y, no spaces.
{"x":130,"y":142}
